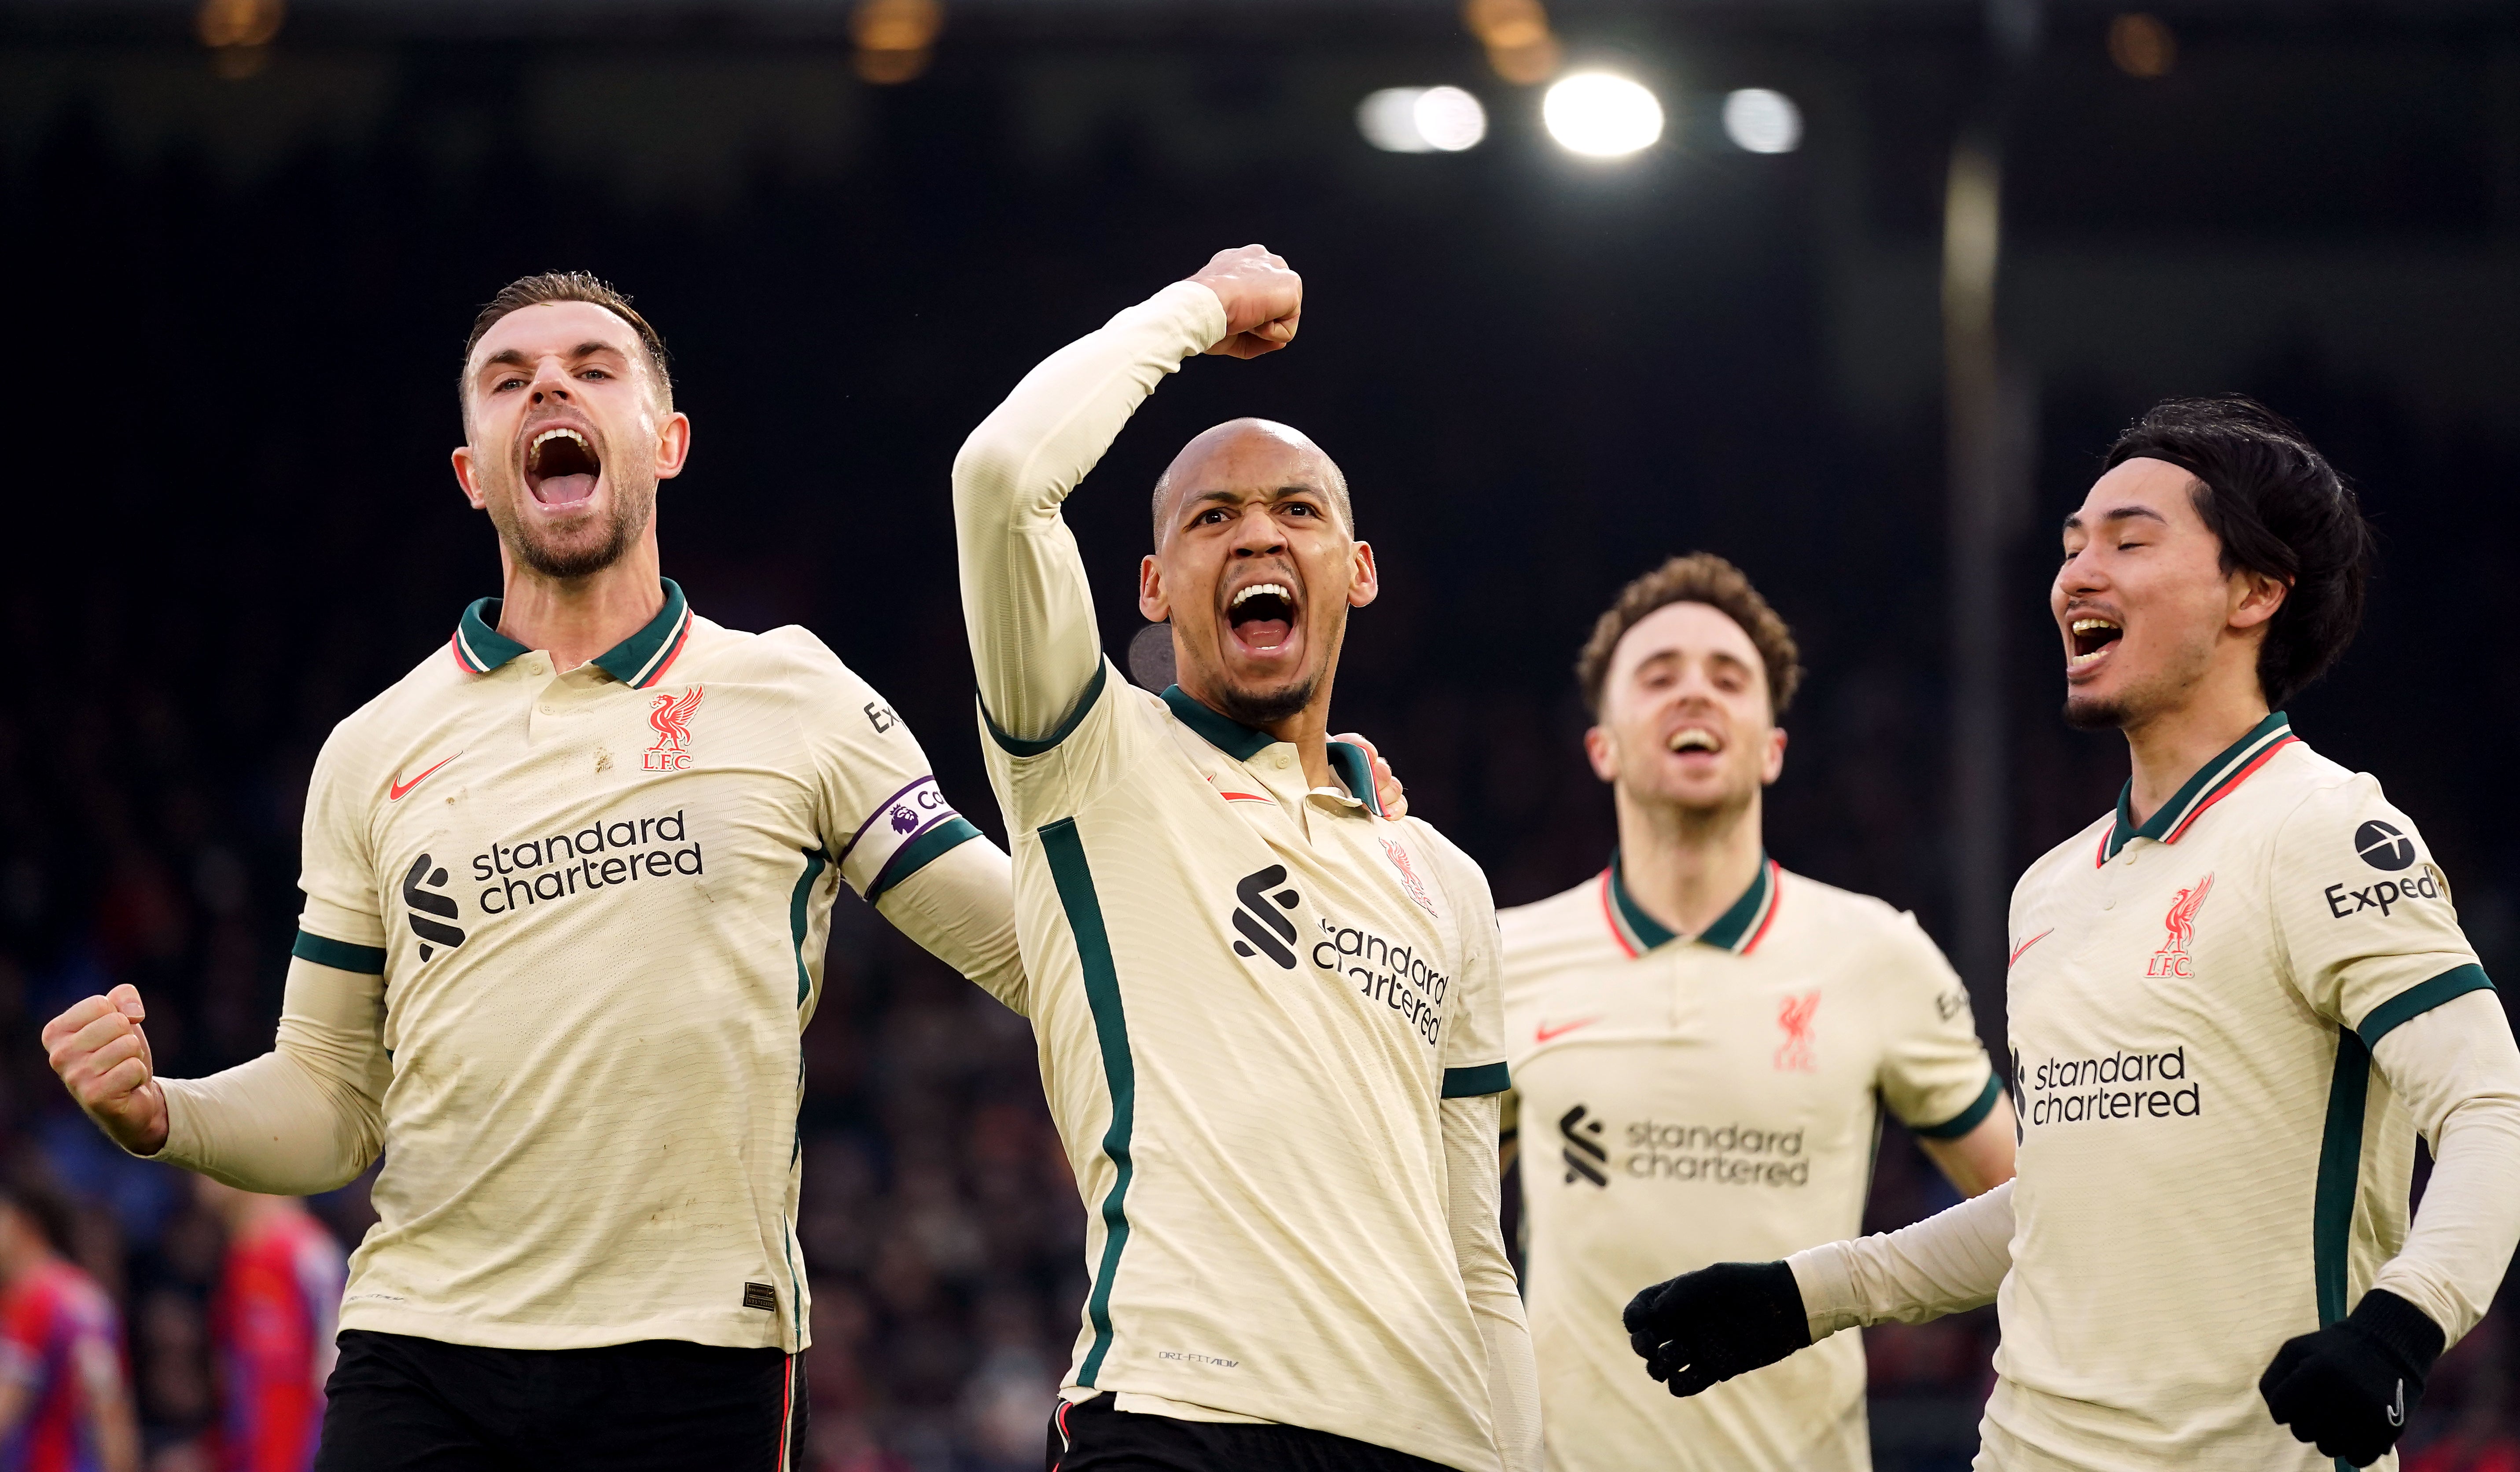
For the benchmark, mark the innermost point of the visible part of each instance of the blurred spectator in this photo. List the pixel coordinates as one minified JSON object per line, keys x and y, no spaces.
{"x":271,"y":1328}
{"x":65,"y":1399}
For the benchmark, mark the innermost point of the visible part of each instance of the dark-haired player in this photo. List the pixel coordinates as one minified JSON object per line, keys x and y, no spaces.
{"x":2235,"y":1003}
{"x":568,"y":887}
{"x":65,"y":1398}
{"x":1702,"y":1044}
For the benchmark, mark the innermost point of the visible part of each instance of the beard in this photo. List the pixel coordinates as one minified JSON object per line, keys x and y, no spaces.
{"x":1261,"y":709}
{"x":2095,"y":715}
{"x":578,"y":551}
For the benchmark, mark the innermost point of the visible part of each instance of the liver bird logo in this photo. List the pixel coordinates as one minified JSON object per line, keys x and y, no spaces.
{"x":2181,"y":919}
{"x":672,"y":719}
{"x":1794,"y":1015}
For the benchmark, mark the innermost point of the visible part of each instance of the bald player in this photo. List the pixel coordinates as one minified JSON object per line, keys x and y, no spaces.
{"x":1268,"y":1015}
{"x":2235,"y":1004}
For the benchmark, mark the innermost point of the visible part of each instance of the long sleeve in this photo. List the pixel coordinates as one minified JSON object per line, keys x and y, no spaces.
{"x":1478,"y":1244}
{"x":2458,"y":1071}
{"x":1025,"y":602}
{"x":307,"y":1116}
{"x":961,"y":908}
{"x":1953,"y":1260}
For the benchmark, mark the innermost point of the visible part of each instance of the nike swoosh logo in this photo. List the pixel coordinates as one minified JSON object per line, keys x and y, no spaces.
{"x":1544,"y":1032}
{"x":2026,"y":945}
{"x":394,"y":793}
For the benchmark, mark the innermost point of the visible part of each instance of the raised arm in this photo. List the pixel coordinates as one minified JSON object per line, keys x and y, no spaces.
{"x":1026,"y":604}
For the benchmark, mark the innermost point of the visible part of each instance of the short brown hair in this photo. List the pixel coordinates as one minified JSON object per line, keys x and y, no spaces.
{"x":566,"y":285}
{"x":1701,"y":577}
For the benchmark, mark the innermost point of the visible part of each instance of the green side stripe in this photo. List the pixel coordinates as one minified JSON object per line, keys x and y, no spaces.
{"x":919,"y":853}
{"x":340,"y":955}
{"x":1020,"y":747}
{"x":2340,"y":1165}
{"x":814,"y":860}
{"x":2419,"y":998}
{"x":1067,"y":870}
{"x":1476,"y":1083}
{"x":1967,"y":1119}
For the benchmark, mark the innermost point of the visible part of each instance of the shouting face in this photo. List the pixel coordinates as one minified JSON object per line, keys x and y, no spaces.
{"x":1255,"y":566}
{"x":2146,"y":609}
{"x":567,"y":432}
{"x":1686,"y":719}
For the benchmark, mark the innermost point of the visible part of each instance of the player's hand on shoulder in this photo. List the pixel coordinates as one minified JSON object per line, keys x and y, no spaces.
{"x":1388,"y":792}
{"x":1704,"y":1327}
{"x":1262,"y":295}
{"x":100,"y":1052}
{"x":2349,"y":1388}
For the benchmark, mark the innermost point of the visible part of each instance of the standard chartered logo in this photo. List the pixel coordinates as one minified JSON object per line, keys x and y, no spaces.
{"x":2118,"y":1085}
{"x":562,"y":866}
{"x":1652,"y":1150}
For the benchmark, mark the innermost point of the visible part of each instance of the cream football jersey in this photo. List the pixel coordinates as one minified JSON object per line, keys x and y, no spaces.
{"x":1252,"y":997}
{"x":599,"y":900}
{"x":2210,"y":1165}
{"x":1688,"y":1101}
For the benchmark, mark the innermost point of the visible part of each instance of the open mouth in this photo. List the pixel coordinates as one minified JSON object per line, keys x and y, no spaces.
{"x":562,"y":467}
{"x":1262,"y":616}
{"x":2090,"y":638}
{"x":1701,"y":738}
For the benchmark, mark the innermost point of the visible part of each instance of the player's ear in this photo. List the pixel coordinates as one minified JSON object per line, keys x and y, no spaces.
{"x":1152,"y":601}
{"x":2255,"y":598}
{"x":464,"y":477}
{"x":1772,"y":764}
{"x":1363,"y":582}
{"x":1602,"y":751}
{"x":673,"y":446}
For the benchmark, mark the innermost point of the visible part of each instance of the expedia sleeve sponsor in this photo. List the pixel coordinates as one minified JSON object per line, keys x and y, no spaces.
{"x":2365,"y":913}
{"x":2130,"y":1085}
{"x":555,"y":866}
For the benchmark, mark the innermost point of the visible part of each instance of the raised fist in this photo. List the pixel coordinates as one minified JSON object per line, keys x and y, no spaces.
{"x":1262,"y":298}
{"x":102,"y":1054}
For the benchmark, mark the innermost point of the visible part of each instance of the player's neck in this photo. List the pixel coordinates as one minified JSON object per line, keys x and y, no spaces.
{"x":1685,"y":867}
{"x":577,"y":619}
{"x":1307,"y":730}
{"x":2168,"y":748}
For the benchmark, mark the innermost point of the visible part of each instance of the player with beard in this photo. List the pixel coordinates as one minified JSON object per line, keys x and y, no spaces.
{"x":2235,"y":1004}
{"x":1702,"y":1044}
{"x":567,"y":889}
{"x":1268,"y":1014}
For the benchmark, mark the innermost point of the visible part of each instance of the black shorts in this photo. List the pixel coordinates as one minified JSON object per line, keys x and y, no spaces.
{"x":1091,"y":1436}
{"x":404,"y":1405}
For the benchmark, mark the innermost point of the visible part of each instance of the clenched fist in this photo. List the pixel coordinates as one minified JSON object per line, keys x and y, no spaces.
{"x":1262,"y":299}
{"x":102,"y":1054}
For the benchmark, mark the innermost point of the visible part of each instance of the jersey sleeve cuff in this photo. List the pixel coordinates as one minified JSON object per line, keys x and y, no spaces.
{"x":920,"y":852}
{"x":1476,"y":1083}
{"x":1967,"y":1119}
{"x":1014,"y":745}
{"x":2419,"y":998}
{"x":340,"y":955}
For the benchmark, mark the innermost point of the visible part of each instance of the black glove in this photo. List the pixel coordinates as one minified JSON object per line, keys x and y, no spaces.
{"x":1707,"y":1326}
{"x":2349,"y":1387}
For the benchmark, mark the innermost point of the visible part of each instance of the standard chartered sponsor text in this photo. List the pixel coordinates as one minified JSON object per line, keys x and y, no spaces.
{"x":2117,"y":1086}
{"x":1395,"y":975}
{"x":603,"y":853}
{"x":1719,"y":1154}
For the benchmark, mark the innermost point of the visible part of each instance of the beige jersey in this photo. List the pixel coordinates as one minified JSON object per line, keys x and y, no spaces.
{"x":1263,"y":1009}
{"x":2210,"y":1165}
{"x":597,"y":901}
{"x":1688,"y":1101}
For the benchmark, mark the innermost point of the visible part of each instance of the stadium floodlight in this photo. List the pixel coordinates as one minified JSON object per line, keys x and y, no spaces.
{"x":1421,"y":120}
{"x":1600,"y":115}
{"x":1761,"y":121}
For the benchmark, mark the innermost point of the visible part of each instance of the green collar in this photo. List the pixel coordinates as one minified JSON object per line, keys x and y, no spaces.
{"x":2211,"y":783}
{"x":1243,"y":742}
{"x":1739,"y":929}
{"x":637,"y":661}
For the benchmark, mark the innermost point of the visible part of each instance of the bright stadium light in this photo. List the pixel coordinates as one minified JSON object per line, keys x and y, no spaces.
{"x":1761,"y":121}
{"x":1421,"y":120}
{"x":1602,"y":115}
